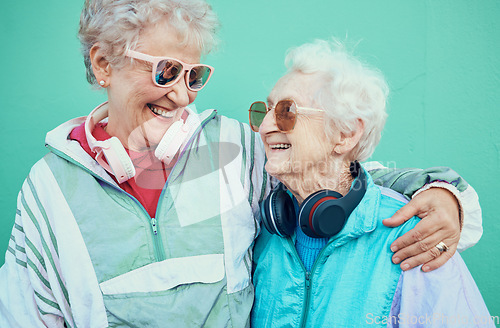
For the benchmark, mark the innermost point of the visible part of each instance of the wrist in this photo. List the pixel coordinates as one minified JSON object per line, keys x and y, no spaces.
{"x":452,"y":189}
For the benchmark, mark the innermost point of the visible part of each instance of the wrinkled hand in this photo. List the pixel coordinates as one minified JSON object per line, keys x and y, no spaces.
{"x":438,"y":209}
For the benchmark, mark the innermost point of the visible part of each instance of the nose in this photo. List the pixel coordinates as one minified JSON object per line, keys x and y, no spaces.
{"x":268,"y":124}
{"x":179,"y":93}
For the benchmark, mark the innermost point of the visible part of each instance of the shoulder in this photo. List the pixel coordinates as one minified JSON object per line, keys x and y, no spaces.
{"x":379,"y":201}
{"x":232,"y":130}
{"x":233,"y":124}
{"x":41,"y":169}
{"x":392,"y":196}
{"x":390,"y":201}
{"x":228,"y":127}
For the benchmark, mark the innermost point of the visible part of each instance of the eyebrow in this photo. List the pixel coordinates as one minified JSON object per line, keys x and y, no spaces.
{"x":269,"y":101}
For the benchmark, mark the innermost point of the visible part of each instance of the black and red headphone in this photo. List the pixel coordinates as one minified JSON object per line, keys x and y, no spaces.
{"x":322,"y":215}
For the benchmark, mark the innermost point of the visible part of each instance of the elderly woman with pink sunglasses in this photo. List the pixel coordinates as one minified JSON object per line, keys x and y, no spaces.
{"x":145,"y":212}
{"x":324,"y":259}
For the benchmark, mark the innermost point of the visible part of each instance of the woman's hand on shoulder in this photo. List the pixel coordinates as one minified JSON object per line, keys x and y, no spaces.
{"x":439,"y":210}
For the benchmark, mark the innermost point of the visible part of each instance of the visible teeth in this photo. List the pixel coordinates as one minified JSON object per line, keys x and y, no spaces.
{"x":164,"y":113}
{"x":280,"y":146}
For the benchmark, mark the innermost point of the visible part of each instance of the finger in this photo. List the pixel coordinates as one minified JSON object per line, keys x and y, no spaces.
{"x":419,"y":259}
{"x":402,"y":215}
{"x":422,"y":230}
{"x":439,"y":261}
{"x":429,"y":256}
{"x":432,"y":254}
{"x":418,"y":248}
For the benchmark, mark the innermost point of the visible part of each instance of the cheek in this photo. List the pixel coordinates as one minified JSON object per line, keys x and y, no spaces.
{"x":311,"y":147}
{"x":142,"y":84}
{"x":138,"y":88}
{"x":192,"y":96}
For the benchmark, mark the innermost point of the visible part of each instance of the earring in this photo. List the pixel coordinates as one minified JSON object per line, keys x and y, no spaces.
{"x":102,"y":83}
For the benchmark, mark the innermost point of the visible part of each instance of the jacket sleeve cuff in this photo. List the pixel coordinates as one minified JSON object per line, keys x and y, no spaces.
{"x":469,"y":212}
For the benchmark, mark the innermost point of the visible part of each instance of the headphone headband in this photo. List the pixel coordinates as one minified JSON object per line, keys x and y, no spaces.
{"x":96,"y":115}
{"x":358,"y":189}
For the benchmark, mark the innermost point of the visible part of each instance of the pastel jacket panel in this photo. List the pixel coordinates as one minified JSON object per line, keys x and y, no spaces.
{"x":87,"y":254}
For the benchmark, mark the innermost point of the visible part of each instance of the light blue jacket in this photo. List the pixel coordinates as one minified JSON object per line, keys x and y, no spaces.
{"x":353,"y":282}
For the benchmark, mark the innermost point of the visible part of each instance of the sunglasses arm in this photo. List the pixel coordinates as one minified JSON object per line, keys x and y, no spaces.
{"x":309,"y":109}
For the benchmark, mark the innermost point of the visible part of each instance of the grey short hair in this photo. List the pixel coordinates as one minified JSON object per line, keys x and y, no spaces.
{"x":116,"y":25}
{"x":352,"y":90}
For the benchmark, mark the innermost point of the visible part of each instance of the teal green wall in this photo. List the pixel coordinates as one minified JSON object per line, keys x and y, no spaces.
{"x":440,"y":57}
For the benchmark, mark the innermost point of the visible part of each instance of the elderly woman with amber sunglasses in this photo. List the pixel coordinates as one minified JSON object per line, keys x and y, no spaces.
{"x":144,"y":213}
{"x":324,"y":259}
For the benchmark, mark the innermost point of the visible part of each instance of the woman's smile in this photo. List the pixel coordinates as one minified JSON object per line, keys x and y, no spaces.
{"x":162,"y":112}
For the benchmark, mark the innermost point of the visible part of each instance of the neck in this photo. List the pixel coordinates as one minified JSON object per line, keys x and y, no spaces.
{"x":336,"y":176}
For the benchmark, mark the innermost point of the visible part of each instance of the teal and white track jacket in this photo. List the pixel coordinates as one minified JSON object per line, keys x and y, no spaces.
{"x":86,"y":254}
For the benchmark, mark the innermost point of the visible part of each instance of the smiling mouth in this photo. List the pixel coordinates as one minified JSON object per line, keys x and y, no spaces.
{"x":161,"y":112}
{"x":280,"y":146}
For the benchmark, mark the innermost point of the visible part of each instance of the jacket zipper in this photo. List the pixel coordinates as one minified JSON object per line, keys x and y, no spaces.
{"x":308,"y":299}
{"x":159,"y":256}
{"x":159,"y":249}
{"x":157,"y":243}
{"x":308,"y":276}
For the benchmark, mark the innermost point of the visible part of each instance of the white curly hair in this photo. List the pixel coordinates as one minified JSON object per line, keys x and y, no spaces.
{"x":116,"y":25}
{"x":352,"y":90}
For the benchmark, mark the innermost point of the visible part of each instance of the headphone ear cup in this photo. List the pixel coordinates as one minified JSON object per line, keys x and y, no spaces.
{"x":171,"y":142}
{"x":283,"y":213}
{"x":278,"y":213}
{"x":321,"y":214}
{"x":329,"y":218}
{"x":265,"y":216}
{"x":119,"y":162}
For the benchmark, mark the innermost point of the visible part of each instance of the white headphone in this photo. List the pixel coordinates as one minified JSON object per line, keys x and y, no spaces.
{"x":117,"y":161}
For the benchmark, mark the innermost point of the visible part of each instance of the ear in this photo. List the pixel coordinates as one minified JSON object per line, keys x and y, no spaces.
{"x":348,"y":141}
{"x":100,"y":65}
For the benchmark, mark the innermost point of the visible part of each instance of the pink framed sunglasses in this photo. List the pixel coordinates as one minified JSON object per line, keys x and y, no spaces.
{"x":167,"y":71}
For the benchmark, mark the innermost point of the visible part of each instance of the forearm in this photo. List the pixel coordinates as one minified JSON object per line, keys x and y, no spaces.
{"x":26,"y":299}
{"x":407,"y":181}
{"x":411,"y":182}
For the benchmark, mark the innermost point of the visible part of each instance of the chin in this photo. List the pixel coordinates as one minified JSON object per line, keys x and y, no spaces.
{"x":277,"y":169}
{"x":147,"y":135}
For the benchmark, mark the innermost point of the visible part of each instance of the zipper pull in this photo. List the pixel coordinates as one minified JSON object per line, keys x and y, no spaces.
{"x":153,"y":225}
{"x":308,"y":279}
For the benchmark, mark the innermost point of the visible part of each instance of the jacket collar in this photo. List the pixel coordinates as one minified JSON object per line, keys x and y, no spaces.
{"x":59,"y":143}
{"x":362,"y":220}
{"x":364,"y":217}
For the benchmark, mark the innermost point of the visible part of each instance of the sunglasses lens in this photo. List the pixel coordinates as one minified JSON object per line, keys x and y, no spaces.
{"x":285,"y":115}
{"x":198,"y":77}
{"x":167,"y":71}
{"x":258,"y":111}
